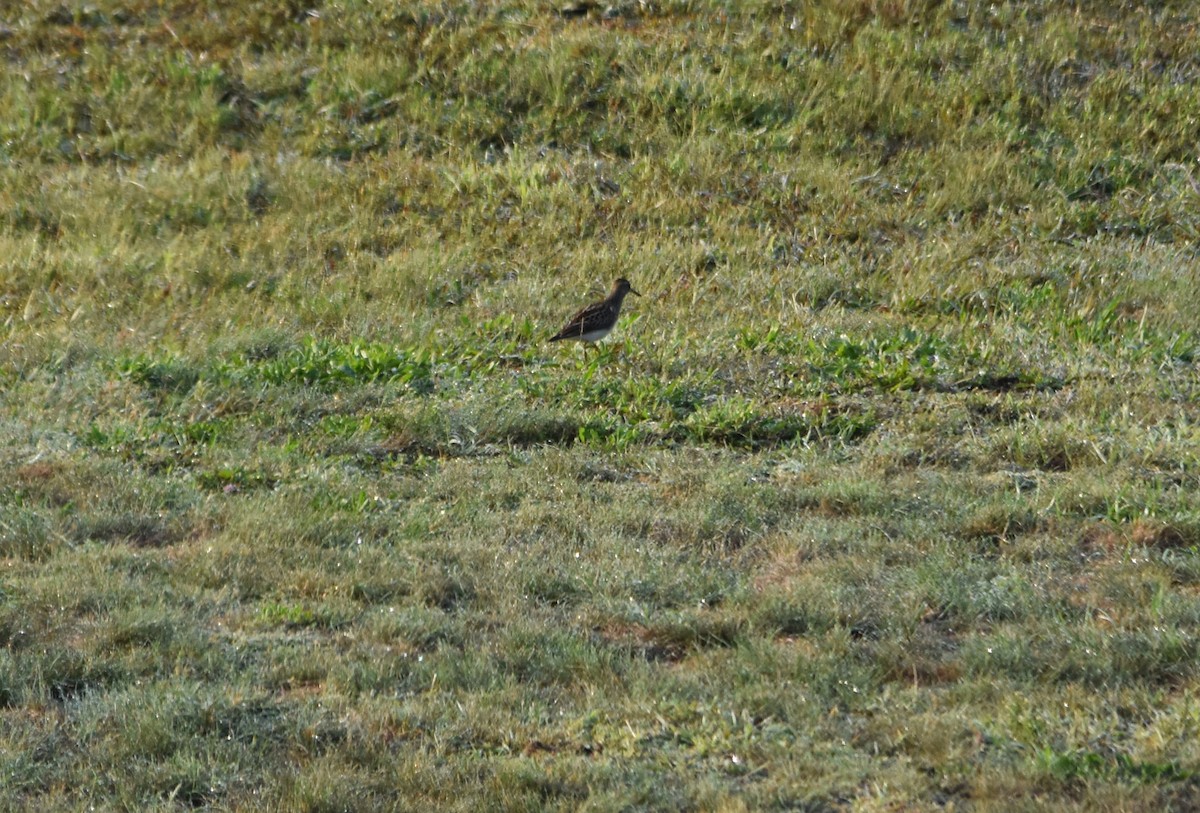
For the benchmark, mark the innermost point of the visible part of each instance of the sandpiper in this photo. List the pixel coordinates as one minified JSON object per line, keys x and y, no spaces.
{"x":596,"y":321}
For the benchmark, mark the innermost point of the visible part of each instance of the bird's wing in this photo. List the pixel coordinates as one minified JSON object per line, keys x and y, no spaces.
{"x":588,"y":318}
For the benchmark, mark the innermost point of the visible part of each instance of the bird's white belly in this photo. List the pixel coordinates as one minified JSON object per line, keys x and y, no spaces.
{"x":594,"y":335}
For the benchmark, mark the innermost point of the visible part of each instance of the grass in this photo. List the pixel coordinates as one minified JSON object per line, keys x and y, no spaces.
{"x":882,"y":497}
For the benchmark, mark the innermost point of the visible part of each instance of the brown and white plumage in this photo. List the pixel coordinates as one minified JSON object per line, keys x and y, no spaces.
{"x":593,"y":322}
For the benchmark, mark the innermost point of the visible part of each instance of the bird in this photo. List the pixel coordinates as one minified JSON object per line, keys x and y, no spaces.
{"x":595,"y":321}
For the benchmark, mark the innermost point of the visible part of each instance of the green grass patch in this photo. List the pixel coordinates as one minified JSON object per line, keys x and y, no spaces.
{"x":881,"y":496}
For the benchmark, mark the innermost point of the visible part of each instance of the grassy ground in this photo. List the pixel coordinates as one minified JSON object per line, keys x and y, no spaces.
{"x":884,"y":496}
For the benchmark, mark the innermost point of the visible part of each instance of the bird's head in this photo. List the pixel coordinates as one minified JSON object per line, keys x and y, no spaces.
{"x":622,"y":287}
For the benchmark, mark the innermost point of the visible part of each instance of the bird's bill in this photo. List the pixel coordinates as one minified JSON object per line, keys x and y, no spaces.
{"x":635,"y":293}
